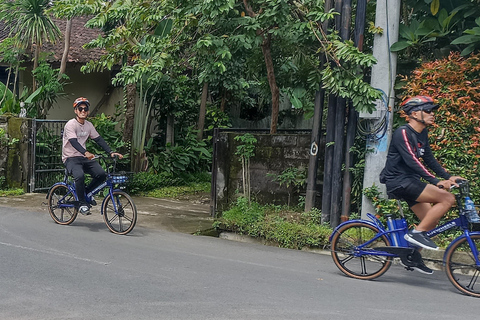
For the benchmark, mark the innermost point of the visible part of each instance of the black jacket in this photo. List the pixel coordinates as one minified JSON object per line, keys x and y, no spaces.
{"x":403,"y":160}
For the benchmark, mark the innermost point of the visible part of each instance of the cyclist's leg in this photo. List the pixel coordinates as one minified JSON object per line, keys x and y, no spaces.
{"x":98,"y":174}
{"x":442,"y":202}
{"x":74,"y":166}
{"x":411,"y":194}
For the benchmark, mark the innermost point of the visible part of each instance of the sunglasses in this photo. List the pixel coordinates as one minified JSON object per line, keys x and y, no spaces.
{"x":82,"y":109}
{"x":428,"y":111}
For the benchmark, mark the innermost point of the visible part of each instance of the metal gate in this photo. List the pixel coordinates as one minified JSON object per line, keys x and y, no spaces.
{"x":47,"y":165}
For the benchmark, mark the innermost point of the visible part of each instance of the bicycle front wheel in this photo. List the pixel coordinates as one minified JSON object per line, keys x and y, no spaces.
{"x":461,"y":268}
{"x":119,"y":213}
{"x":357,"y":263}
{"x":61,"y":203}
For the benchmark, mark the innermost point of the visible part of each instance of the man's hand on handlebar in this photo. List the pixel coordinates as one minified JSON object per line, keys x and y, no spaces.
{"x":116,"y":154}
{"x":89,"y":155}
{"x":447,"y":184}
{"x":455,"y":179}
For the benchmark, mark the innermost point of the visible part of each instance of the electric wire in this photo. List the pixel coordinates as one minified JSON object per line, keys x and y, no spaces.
{"x":373,"y":129}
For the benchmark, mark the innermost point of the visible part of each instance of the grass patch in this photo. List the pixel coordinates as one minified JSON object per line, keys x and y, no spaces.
{"x":163,"y":184}
{"x":178,"y":191}
{"x":285,"y":226}
{"x":11,"y":192}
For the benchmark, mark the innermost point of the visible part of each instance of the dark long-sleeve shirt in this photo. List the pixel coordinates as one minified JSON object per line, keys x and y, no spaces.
{"x":404,"y":163}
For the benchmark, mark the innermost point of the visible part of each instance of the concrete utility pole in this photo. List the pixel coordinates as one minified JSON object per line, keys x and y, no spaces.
{"x":383,"y":78}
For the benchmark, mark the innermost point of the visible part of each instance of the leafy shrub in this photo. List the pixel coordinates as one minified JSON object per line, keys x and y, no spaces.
{"x":189,"y":155}
{"x":288,"y":228}
{"x":143,"y":182}
{"x":146,"y":181}
{"x":455,"y":137}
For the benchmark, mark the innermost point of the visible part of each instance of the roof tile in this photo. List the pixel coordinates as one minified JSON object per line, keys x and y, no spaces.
{"x":80,"y":36}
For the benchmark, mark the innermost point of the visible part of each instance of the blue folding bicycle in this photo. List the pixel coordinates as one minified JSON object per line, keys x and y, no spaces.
{"x":364,"y":249}
{"x":118,"y":210}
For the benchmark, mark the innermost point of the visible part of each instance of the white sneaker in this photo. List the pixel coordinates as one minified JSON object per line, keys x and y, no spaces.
{"x":85,"y":210}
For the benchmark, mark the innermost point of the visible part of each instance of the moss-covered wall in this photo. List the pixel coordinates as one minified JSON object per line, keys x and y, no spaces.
{"x":273,"y":155}
{"x":15,"y":156}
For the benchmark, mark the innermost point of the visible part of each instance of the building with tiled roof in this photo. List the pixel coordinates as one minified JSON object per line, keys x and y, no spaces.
{"x":95,"y":86}
{"x":79,"y":37}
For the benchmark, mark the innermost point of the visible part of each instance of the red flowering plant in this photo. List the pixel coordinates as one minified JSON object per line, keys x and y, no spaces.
{"x":454,"y":83}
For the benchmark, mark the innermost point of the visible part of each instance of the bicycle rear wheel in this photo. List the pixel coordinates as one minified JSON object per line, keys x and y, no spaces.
{"x":123,"y":219}
{"x":350,"y":260}
{"x":461,"y":269}
{"x":58,"y":197}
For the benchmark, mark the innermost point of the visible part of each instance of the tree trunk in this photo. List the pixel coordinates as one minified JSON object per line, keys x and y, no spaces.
{"x":203,"y":111}
{"x":360,"y":17}
{"x":129,"y":112}
{"x":267,"y":55}
{"x":338,"y":157}
{"x":35,"y":65}
{"x":63,"y":64}
{"x":224,"y":100}
{"x":170,"y":136}
{"x":328,"y":159}
{"x":311,"y":193}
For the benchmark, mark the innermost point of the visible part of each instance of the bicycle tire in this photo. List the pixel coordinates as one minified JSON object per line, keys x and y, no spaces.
{"x":62,"y":215}
{"x":461,"y":268}
{"x":344,"y":255}
{"x":123,"y":221}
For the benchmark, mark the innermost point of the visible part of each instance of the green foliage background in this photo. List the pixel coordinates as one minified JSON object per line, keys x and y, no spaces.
{"x":454,"y":82}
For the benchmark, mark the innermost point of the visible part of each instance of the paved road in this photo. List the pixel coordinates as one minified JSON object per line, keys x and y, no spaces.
{"x":82,"y":271}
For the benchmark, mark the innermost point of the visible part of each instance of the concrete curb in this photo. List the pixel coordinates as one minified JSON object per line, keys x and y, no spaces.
{"x":426,"y":254}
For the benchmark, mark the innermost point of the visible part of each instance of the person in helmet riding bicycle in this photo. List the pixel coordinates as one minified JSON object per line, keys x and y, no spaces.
{"x":409,"y":164}
{"x":76,"y":158}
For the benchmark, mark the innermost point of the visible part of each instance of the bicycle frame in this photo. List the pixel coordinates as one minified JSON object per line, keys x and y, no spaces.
{"x":460,"y":222}
{"x":71,"y":187}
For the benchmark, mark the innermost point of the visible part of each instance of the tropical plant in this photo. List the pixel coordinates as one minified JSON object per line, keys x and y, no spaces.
{"x":245,"y":151}
{"x":10,"y":55}
{"x":50,"y":88}
{"x":292,"y":178}
{"x":31,"y":25}
{"x":471,"y":39}
{"x":187,"y":155}
{"x":431,"y":29}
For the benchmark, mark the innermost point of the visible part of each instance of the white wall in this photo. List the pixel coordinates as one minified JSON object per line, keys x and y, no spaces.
{"x":92,"y":86}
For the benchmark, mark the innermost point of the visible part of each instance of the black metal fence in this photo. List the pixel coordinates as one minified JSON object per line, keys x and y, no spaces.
{"x":46,"y":162}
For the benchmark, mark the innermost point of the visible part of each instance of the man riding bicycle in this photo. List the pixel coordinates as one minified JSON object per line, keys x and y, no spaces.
{"x":408,"y":158}
{"x":77,"y":159}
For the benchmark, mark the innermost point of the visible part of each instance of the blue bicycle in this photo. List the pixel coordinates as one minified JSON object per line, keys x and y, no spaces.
{"x":118,"y":210}
{"x":364,"y":249}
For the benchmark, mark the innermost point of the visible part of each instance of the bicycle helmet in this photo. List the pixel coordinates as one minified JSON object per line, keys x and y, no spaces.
{"x":418,"y":103}
{"x":80,"y":101}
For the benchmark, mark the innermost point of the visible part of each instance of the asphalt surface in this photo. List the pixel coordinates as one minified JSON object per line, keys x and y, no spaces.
{"x":166,"y":214}
{"x":83,"y":271}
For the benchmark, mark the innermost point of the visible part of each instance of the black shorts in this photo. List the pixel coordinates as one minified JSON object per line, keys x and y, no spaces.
{"x":409,"y":194}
